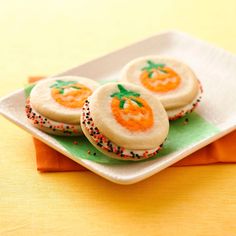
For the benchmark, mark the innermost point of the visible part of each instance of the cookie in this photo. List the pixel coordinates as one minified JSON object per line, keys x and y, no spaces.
{"x":124,"y":121}
{"x":171,"y":81}
{"x":55,"y":104}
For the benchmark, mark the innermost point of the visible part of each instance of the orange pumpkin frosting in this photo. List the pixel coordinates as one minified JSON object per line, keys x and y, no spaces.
{"x":131,"y":111}
{"x":70,"y":94}
{"x":159,"y":77}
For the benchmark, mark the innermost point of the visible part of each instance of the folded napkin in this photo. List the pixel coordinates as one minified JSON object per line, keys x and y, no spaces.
{"x":221,"y":151}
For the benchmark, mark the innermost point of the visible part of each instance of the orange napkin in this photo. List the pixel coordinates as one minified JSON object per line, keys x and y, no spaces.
{"x":220,"y":151}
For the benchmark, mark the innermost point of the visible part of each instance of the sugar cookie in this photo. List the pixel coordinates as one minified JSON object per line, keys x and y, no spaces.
{"x":55,"y":104}
{"x":171,"y":81}
{"x":125,"y":121}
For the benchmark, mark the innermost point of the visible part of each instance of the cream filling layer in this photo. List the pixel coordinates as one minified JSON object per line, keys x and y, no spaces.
{"x":41,"y":121}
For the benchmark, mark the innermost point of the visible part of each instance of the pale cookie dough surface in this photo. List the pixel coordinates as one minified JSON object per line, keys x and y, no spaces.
{"x":43,"y":102}
{"x":185,"y":92}
{"x":104,"y":119}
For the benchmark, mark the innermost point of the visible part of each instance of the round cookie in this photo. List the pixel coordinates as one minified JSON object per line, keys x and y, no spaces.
{"x":55,"y":104}
{"x":171,"y":81}
{"x":125,"y":121}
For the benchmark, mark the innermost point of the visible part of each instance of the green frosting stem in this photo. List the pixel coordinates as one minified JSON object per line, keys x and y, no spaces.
{"x":123,"y":93}
{"x":60,"y":84}
{"x":152,"y":65}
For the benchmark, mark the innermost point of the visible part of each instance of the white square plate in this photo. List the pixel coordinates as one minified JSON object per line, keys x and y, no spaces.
{"x":215,"y":68}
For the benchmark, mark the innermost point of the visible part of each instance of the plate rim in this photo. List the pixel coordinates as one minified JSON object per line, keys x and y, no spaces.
{"x":121,"y":180}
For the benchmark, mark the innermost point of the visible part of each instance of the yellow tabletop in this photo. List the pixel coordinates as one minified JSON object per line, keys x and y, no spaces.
{"x":48,"y":37}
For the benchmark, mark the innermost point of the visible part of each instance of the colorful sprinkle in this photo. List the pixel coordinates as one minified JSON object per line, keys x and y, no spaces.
{"x":109,"y":146}
{"x":38,"y":120}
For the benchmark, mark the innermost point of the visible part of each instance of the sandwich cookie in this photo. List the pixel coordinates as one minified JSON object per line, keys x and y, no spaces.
{"x":171,"y":81}
{"x":55,"y":104}
{"x":125,"y":121}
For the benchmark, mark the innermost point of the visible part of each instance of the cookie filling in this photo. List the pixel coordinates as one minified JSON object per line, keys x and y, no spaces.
{"x":106,"y":144}
{"x":187,"y":109}
{"x":42,"y":122}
